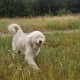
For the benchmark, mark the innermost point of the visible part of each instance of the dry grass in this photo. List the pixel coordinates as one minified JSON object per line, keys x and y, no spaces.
{"x":42,"y":23}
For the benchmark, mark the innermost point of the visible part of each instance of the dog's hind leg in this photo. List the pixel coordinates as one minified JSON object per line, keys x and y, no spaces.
{"x":14,"y":50}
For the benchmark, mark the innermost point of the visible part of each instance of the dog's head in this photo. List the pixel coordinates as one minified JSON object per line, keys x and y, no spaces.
{"x":38,"y":38}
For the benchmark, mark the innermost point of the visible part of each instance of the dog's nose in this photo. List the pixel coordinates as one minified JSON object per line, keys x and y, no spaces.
{"x":40,"y":42}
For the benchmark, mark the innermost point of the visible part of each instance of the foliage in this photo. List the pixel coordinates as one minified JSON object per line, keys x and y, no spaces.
{"x":64,"y":12}
{"x":22,"y":8}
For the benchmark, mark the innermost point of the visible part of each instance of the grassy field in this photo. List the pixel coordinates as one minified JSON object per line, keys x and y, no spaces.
{"x":43,"y":23}
{"x":59,"y":58}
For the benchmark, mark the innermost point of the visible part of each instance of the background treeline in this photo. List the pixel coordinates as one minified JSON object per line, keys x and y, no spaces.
{"x":22,"y":8}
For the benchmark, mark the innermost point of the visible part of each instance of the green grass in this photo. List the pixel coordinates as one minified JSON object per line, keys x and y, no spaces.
{"x":42,"y":23}
{"x":59,"y":59}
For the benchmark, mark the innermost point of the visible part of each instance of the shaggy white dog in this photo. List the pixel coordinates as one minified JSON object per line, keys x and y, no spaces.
{"x":27,"y":44}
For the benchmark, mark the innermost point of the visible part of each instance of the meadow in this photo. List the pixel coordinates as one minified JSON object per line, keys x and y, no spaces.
{"x":59,"y":58}
{"x":45,"y":23}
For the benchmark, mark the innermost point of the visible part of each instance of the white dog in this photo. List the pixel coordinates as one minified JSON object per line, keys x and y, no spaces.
{"x":28,"y":44}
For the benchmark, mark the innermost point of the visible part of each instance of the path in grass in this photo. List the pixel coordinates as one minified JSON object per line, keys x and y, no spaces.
{"x":46,"y":32}
{"x":62,"y":31}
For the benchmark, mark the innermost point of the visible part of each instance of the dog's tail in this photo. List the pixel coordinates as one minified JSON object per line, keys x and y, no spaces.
{"x":13,"y":28}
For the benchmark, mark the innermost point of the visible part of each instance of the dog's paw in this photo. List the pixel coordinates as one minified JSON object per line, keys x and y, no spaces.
{"x":36,"y":68}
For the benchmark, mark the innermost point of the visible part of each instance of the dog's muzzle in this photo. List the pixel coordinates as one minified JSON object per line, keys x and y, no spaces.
{"x":40,"y":42}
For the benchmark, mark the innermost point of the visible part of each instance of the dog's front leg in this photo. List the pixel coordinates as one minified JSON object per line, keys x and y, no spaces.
{"x":30,"y":60}
{"x":32,"y":63}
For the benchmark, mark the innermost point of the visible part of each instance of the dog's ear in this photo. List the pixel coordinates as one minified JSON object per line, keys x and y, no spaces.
{"x":31,"y":42}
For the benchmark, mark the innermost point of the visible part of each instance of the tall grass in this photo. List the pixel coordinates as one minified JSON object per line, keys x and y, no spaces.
{"x":42,"y":23}
{"x":59,"y":59}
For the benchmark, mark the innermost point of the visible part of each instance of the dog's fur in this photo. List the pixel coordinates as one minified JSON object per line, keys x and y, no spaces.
{"x":28,"y":44}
